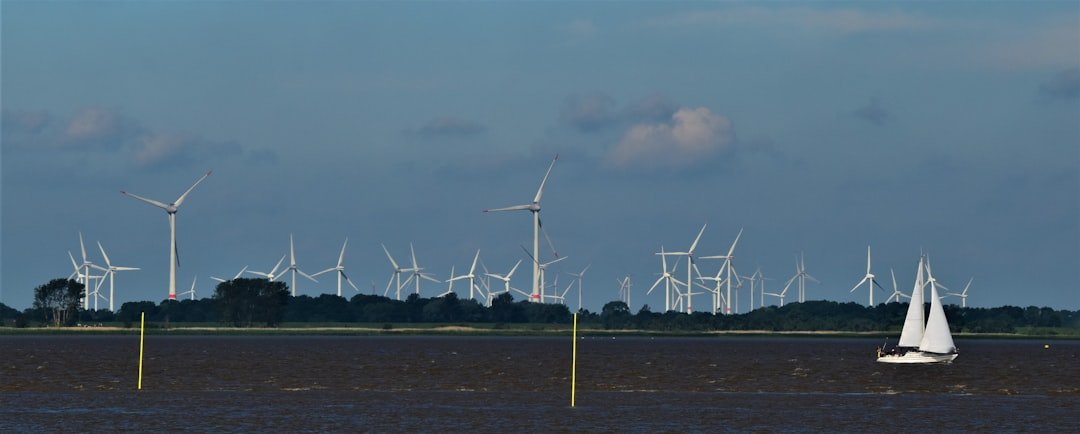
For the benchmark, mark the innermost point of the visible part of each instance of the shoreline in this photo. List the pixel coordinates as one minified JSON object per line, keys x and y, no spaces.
{"x":461,"y":330}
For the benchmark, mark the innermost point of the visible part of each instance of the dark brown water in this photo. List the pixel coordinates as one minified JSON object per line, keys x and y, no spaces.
{"x":500,"y":384}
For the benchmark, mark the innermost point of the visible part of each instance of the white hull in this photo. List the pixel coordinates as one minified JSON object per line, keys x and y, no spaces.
{"x":917,"y":357}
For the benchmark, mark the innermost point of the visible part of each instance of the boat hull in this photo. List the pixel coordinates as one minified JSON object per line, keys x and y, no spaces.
{"x":912,"y":357}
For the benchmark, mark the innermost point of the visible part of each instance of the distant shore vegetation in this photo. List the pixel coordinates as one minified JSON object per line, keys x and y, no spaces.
{"x":258,"y":303}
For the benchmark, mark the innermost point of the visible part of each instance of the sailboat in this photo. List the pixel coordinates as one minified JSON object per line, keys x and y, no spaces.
{"x":919,"y":343}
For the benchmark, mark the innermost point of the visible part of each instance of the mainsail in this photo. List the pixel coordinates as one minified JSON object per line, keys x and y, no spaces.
{"x":912,"y":334}
{"x":936,"y":338}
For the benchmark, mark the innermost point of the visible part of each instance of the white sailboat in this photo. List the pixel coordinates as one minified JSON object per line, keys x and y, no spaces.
{"x":931,"y":343}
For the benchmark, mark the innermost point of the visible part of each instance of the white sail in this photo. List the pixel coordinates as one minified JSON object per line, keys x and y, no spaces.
{"x":936,"y":338}
{"x":912,"y":334}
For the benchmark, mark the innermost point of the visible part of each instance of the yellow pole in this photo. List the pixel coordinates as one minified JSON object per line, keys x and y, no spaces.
{"x":573,"y":367}
{"x":142,"y":331}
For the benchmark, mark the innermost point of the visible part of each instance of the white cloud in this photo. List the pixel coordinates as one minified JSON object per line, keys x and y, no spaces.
{"x":692,"y":135}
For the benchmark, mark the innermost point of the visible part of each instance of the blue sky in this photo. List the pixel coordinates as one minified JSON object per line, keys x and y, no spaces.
{"x":818,"y":128}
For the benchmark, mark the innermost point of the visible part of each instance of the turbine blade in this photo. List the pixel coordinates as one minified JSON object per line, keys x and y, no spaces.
{"x":182,"y":197}
{"x":540,"y":191}
{"x":731,"y":251}
{"x":107,"y":262}
{"x":341,"y":257}
{"x":696,"y":239}
{"x":311,"y":278}
{"x":509,"y":208}
{"x":391,"y":258}
{"x":149,"y":201}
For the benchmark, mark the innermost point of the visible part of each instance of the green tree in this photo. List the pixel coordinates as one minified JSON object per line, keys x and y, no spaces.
{"x":243,"y":302}
{"x":615,"y":315}
{"x":59,"y":300}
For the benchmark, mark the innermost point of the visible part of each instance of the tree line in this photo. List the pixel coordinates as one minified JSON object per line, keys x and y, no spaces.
{"x":259,"y":302}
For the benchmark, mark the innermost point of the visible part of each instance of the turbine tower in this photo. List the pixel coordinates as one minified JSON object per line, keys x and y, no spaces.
{"x":293,"y":268}
{"x":340,"y":269}
{"x":534,"y":208}
{"x":110,"y":272}
{"x":579,"y":276}
{"x":963,"y":294}
{"x":504,"y":278}
{"x":869,"y":278}
{"x":190,"y":291}
{"x":895,"y":289}
{"x":800,"y":276}
{"x":171,"y":210}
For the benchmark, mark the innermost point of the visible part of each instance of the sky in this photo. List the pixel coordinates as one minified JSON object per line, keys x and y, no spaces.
{"x":951,"y":128}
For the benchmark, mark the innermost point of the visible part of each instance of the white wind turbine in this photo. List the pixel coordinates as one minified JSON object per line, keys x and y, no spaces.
{"x":689,"y":254}
{"x":963,"y":294}
{"x":534,"y":208}
{"x":110,"y":272}
{"x":754,"y":289}
{"x":668,"y":279}
{"x":781,"y":295}
{"x":273,"y":274}
{"x":237,"y":276}
{"x":800,"y":276}
{"x":731,"y":275}
{"x":543,"y":271}
{"x":578,"y":277}
{"x":869,"y":278}
{"x":340,"y":270}
{"x":471,"y":276}
{"x":190,"y":291}
{"x":450,"y":287}
{"x":896,"y":294}
{"x":82,"y":275}
{"x":85,"y":266}
{"x":171,"y":210}
{"x":624,"y":289}
{"x":504,"y":278}
{"x":395,"y":279}
{"x":293,"y":268}
{"x":417,"y":271}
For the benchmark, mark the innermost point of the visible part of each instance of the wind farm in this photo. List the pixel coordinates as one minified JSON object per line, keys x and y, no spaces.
{"x":539,"y":216}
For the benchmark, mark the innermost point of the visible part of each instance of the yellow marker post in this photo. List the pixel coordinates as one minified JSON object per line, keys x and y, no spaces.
{"x":142,"y":331}
{"x":573,"y":367}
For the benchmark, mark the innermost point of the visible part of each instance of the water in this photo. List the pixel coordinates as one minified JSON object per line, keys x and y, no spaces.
{"x":391,"y":383}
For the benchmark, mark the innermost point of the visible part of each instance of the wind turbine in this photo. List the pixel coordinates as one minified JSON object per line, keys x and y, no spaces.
{"x":471,"y":276}
{"x":963,"y":294}
{"x":417,"y":271}
{"x":731,"y":274}
{"x":171,"y":210}
{"x":396,"y":277}
{"x":293,"y":268}
{"x":190,"y":291}
{"x":340,"y":269}
{"x":624,"y":289}
{"x":86,"y":265}
{"x":754,"y":278}
{"x":84,"y":277}
{"x":543,"y":272}
{"x":579,"y":277}
{"x":110,"y":272}
{"x":534,"y":208}
{"x":689,"y":254}
{"x":272,"y":274}
{"x":504,"y":278}
{"x":868,"y":278}
{"x":896,"y":289}
{"x":450,"y":287}
{"x":781,"y":295}
{"x":800,"y":276}
{"x":237,"y":276}
{"x":667,"y":278}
